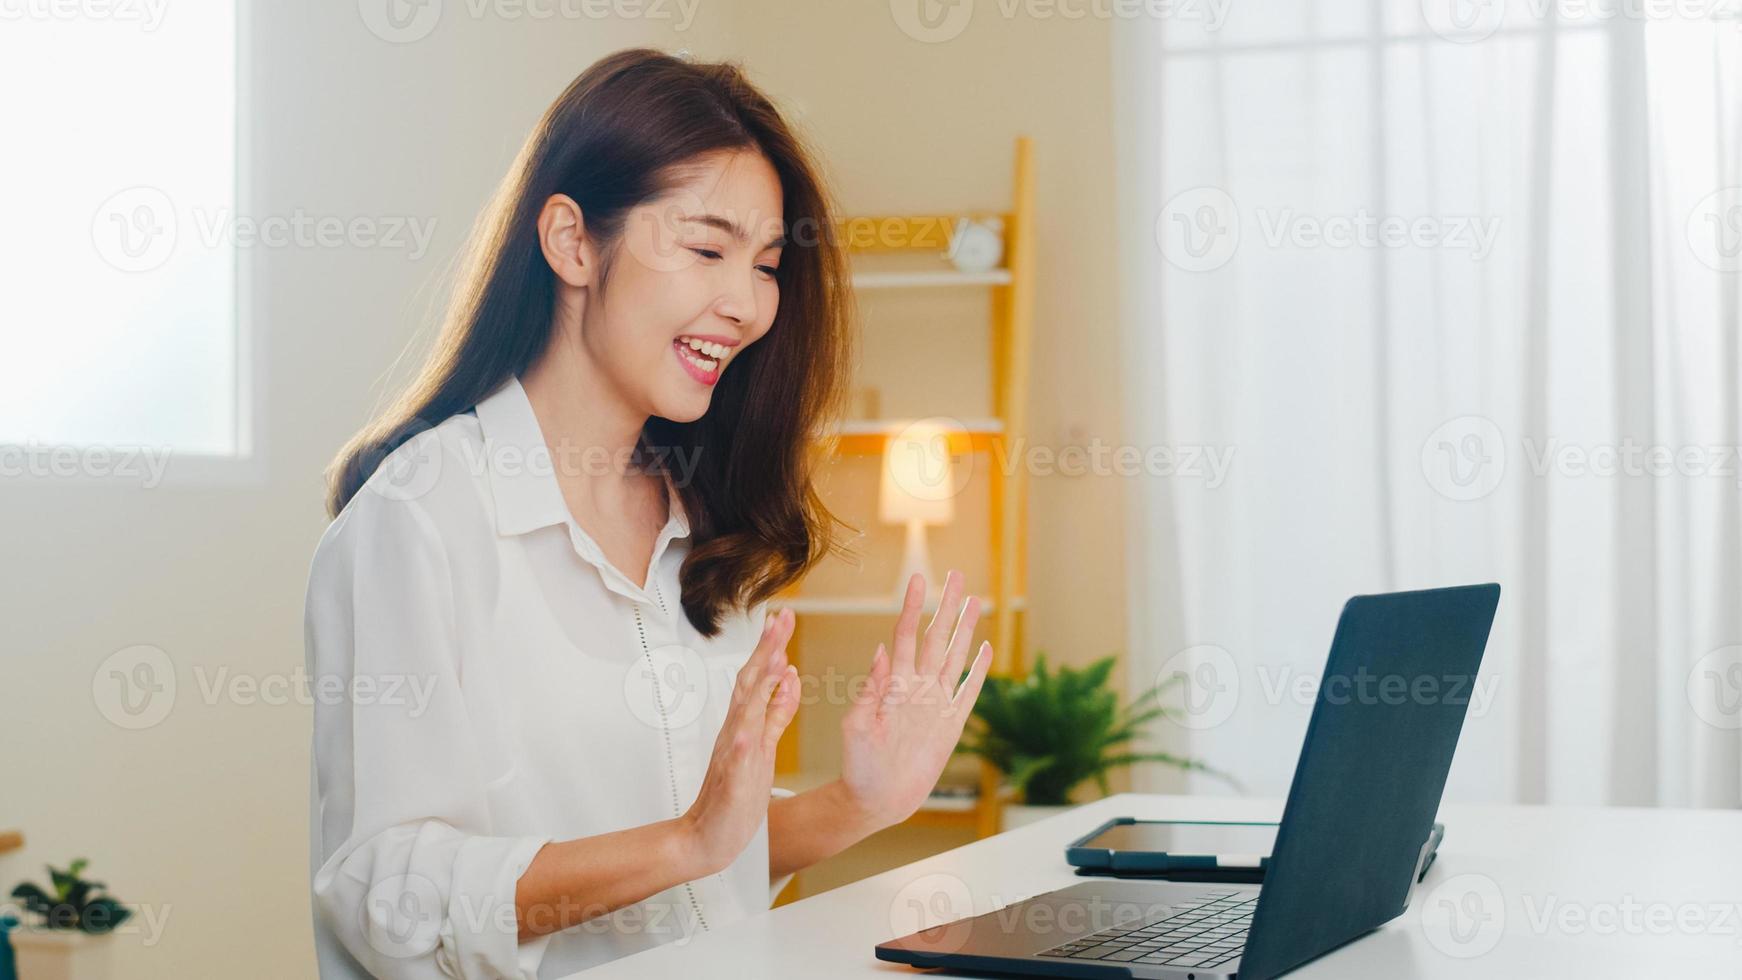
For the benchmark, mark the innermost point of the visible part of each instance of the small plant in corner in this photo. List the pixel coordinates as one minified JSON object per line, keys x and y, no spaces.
{"x":75,"y":903}
{"x":1049,"y":732}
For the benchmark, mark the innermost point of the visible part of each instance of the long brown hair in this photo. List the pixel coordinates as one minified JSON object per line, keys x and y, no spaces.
{"x":618,"y":136}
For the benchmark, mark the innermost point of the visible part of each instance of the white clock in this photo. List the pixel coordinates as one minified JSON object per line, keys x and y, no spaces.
{"x":977,"y":246}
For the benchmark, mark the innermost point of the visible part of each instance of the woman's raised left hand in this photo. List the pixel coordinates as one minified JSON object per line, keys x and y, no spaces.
{"x":905,"y":721}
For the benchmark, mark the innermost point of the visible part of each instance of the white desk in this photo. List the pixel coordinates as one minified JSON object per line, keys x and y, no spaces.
{"x":1546,"y":892}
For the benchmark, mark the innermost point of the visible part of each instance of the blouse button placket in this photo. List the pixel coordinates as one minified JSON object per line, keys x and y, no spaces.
{"x":641,"y":629}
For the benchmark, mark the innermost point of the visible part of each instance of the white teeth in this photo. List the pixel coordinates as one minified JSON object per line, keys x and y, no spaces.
{"x":705,"y":364}
{"x":706,"y":347}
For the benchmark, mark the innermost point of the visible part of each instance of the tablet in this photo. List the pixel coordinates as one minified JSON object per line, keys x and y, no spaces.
{"x":1126,"y":844}
{"x":1192,"y":850}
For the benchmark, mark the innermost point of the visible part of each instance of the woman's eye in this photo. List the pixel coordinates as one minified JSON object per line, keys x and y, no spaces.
{"x":714,"y":255}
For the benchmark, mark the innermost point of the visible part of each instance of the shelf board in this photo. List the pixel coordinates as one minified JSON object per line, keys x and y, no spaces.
{"x":867,"y":437}
{"x":926,"y":233}
{"x":927,"y":279}
{"x":11,"y":840}
{"x":885,"y":427}
{"x":883,"y":605}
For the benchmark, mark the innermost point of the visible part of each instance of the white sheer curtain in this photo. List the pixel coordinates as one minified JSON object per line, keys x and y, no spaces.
{"x":1458,"y":289}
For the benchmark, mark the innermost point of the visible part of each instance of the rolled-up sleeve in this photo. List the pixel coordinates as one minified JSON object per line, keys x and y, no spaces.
{"x":409,"y":877}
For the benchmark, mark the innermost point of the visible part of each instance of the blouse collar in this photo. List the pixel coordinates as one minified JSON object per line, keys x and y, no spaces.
{"x":523,"y":482}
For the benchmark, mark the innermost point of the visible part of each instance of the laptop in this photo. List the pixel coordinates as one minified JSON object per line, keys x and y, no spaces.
{"x":1365,"y":793}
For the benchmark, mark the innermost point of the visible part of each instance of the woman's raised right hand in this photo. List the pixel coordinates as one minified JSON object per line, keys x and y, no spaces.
{"x":733,"y":800}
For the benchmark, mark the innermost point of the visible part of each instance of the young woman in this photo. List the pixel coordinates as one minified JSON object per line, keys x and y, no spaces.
{"x":551,"y":684}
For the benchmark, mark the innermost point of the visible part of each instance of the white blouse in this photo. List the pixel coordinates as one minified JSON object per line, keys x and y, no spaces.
{"x":490,"y":683}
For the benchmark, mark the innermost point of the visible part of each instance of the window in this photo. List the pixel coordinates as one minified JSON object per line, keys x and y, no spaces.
{"x":118,"y":318}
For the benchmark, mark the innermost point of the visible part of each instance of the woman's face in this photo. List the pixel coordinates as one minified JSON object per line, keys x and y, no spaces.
{"x":691,"y":286}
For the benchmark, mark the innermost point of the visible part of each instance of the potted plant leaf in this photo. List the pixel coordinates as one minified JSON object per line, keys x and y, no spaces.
{"x":1052,"y":731}
{"x":72,"y":941}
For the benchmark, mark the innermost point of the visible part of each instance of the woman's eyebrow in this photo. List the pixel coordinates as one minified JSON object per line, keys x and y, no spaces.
{"x":732,"y":228}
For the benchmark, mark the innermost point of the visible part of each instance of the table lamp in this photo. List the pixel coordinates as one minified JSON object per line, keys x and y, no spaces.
{"x":917,"y":489}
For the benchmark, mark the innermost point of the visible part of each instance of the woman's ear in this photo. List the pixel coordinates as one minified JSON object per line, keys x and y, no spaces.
{"x":563,"y":237}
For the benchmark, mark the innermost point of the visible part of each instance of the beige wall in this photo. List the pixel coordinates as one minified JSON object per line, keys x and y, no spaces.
{"x":914,"y":127}
{"x":203,"y":817}
{"x":907,"y":126}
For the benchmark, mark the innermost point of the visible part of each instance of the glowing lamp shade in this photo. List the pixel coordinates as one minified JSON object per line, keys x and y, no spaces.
{"x":918,"y":488}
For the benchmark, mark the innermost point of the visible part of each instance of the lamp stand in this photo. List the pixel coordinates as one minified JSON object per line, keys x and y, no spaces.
{"x":916,"y":557}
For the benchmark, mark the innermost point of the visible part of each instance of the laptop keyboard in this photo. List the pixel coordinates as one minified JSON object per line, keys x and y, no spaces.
{"x":1207,"y":931}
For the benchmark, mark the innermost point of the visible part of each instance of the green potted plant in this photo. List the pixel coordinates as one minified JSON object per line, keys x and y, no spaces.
{"x":72,"y":940}
{"x":1050,"y":732}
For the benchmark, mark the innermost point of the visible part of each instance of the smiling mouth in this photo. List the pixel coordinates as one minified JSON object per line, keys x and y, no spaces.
{"x":702,"y":359}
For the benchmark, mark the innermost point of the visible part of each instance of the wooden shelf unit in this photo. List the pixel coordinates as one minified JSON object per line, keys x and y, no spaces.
{"x":1009,"y":360}
{"x":928,"y":279}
